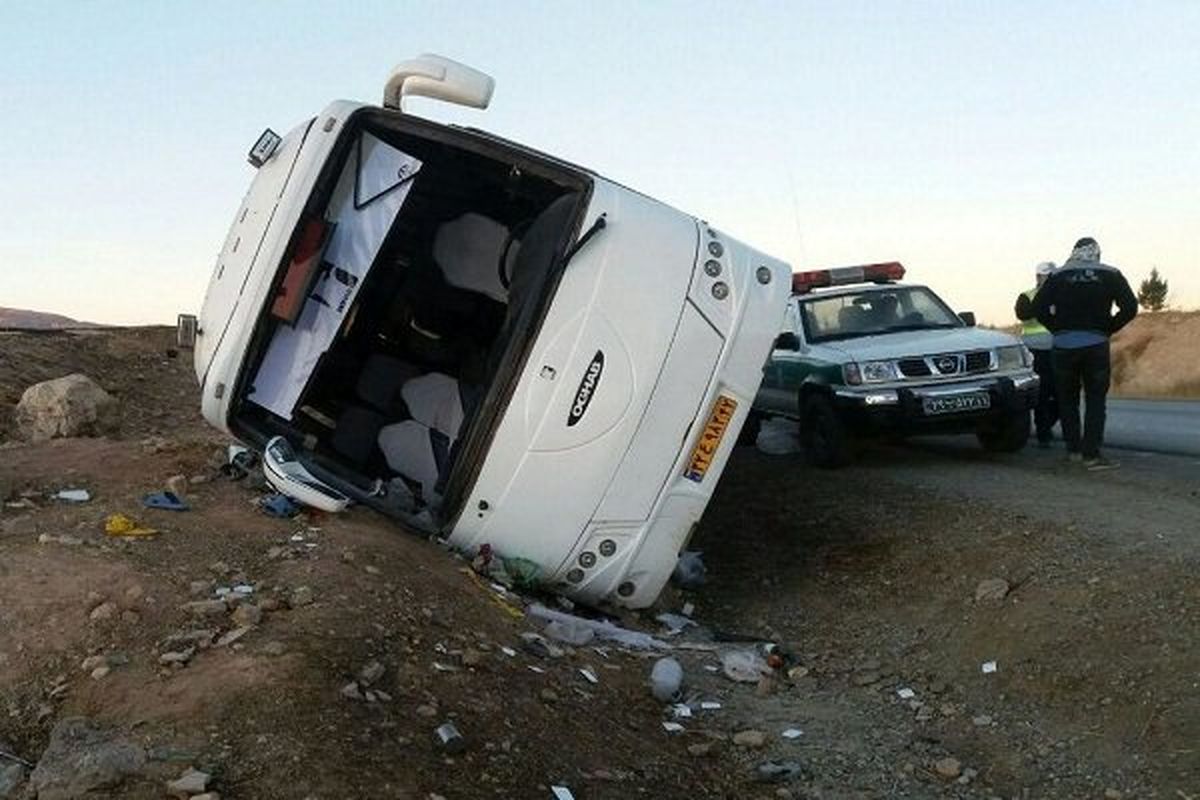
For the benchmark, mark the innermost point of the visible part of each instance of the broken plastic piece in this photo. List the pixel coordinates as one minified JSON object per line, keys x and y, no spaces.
{"x":73,"y":495}
{"x":666,"y":680}
{"x":166,"y":501}
{"x":673,"y":727}
{"x":743,"y":666}
{"x":603,"y":628}
{"x":121,"y":525}
{"x":988,"y":667}
{"x":562,"y":793}
{"x":906,"y":693}
{"x":589,"y":675}
{"x":792,"y":733}
{"x":280,"y":505}
{"x":675,"y":623}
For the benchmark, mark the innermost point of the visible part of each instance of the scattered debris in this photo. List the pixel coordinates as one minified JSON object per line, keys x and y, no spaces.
{"x":676,"y":623}
{"x":792,"y":733}
{"x":602,"y":628}
{"x":988,"y":667}
{"x":905,"y":693}
{"x":561,"y":793}
{"x":538,"y":645}
{"x":743,"y":666}
{"x":570,"y":632}
{"x":450,"y":739}
{"x":279,"y":505}
{"x":666,"y":680}
{"x":673,"y":727}
{"x":164,"y":501}
{"x":589,"y":674}
{"x":122,"y":525}
{"x":73,"y":495}
{"x":690,"y":572}
{"x":51,"y":538}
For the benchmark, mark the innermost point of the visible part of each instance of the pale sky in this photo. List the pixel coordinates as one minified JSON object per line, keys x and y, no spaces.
{"x":967,"y":140}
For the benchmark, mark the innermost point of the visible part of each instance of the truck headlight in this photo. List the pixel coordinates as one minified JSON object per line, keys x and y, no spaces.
{"x":1013,"y":357}
{"x":878,"y":372}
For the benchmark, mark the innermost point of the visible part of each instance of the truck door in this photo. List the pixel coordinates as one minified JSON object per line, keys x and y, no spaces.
{"x":778,"y":392}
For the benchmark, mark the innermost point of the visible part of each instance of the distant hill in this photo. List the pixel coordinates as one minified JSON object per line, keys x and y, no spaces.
{"x":1156,"y":356}
{"x":38,"y":320}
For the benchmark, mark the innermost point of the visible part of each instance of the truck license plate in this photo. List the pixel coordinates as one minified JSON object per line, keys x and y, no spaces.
{"x":976,"y":401}
{"x":710,"y":440}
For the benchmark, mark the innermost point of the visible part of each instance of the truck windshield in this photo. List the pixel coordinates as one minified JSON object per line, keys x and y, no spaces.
{"x":873,"y":311}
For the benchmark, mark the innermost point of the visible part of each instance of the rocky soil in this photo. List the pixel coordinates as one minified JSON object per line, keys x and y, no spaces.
{"x":237,"y":655}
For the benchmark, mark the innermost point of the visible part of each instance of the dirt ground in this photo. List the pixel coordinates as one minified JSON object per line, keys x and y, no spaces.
{"x":866,"y":577}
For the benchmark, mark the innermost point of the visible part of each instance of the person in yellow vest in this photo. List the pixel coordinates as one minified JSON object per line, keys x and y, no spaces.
{"x":1041,"y":342}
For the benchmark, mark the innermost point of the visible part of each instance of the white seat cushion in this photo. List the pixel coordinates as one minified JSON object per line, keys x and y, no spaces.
{"x":468,"y":251}
{"x":434,"y":400}
{"x":409,"y":451}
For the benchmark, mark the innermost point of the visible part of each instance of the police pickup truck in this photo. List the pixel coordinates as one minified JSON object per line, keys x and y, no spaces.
{"x":861,"y":355}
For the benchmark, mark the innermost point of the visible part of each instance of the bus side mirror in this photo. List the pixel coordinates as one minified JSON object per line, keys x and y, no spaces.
{"x":968,"y":318}
{"x":787,"y":341}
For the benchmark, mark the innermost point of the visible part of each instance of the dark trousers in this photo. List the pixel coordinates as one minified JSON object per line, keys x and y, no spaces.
{"x":1045,"y":413}
{"x":1086,"y":367}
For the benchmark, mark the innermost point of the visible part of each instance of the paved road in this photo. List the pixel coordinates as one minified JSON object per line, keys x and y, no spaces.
{"x":1161,"y":426}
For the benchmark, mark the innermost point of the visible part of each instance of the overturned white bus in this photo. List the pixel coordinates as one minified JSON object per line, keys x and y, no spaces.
{"x":483,"y":341}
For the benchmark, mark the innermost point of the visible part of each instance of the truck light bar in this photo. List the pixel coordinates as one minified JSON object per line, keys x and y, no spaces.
{"x":803,"y":282}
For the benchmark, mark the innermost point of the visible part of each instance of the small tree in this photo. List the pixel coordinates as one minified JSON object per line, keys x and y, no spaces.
{"x":1152,"y":294}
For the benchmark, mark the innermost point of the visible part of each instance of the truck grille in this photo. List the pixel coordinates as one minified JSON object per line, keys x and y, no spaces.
{"x":913,"y":368}
{"x":946,"y":364}
{"x":979,"y":361}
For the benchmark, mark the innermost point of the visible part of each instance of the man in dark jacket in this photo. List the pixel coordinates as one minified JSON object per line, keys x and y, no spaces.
{"x":1075,"y":304}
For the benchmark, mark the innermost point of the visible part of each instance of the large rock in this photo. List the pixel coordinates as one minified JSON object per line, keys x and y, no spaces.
{"x":82,"y":757}
{"x":69,"y":406}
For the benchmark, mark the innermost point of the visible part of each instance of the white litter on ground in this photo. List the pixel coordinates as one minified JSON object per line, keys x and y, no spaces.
{"x":792,"y":733}
{"x":989,"y":667}
{"x":906,"y":693}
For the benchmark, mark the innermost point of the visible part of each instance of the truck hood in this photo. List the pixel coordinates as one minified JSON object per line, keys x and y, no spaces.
{"x":903,"y":344}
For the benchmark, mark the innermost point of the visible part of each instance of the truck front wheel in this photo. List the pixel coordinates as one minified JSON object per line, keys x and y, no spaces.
{"x":823,"y":435}
{"x":1007,"y":434}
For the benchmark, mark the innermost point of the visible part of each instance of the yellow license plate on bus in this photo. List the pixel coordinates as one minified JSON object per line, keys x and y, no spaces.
{"x":710,"y":440}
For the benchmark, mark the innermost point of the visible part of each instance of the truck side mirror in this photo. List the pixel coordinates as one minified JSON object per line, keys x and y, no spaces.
{"x":787,"y":341}
{"x":968,"y":318}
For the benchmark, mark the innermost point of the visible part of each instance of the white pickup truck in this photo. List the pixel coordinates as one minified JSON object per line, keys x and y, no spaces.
{"x":483,"y":341}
